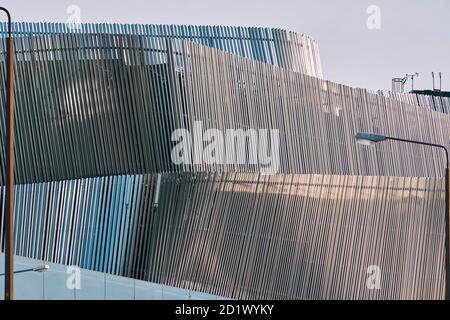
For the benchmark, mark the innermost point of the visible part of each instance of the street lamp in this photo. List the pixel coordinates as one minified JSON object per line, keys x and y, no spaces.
{"x":9,"y":166}
{"x":369,"y":139}
{"x":43,"y":268}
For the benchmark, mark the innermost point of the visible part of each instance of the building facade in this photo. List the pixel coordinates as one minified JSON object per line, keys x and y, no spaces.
{"x":96,"y":109}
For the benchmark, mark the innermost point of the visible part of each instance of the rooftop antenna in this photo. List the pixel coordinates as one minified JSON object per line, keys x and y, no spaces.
{"x":412,"y":79}
{"x":440,"y":81}
{"x":432,"y":76}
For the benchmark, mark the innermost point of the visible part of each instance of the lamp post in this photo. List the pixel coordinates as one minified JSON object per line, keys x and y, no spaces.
{"x":43,"y":268}
{"x":9,"y":166}
{"x":370,"y":139}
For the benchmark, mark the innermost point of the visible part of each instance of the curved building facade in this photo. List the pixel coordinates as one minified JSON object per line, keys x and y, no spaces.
{"x":286,"y":49}
{"x":96,"y":112}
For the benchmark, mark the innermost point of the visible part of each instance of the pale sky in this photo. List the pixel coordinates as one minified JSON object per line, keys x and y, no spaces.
{"x":414,"y":35}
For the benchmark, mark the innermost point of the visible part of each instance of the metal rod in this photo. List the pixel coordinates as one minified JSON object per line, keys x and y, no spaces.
{"x":9,"y":183}
{"x":432,"y":76}
{"x":447,"y":233}
{"x":20,"y":271}
{"x":425,"y":144}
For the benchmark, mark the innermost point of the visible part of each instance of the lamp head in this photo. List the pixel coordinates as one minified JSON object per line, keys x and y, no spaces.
{"x":43,"y":268}
{"x":369,"y":139}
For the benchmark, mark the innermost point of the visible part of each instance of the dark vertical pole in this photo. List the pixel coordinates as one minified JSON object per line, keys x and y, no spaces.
{"x":447,"y":233}
{"x":9,"y":223}
{"x":9,"y":168}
